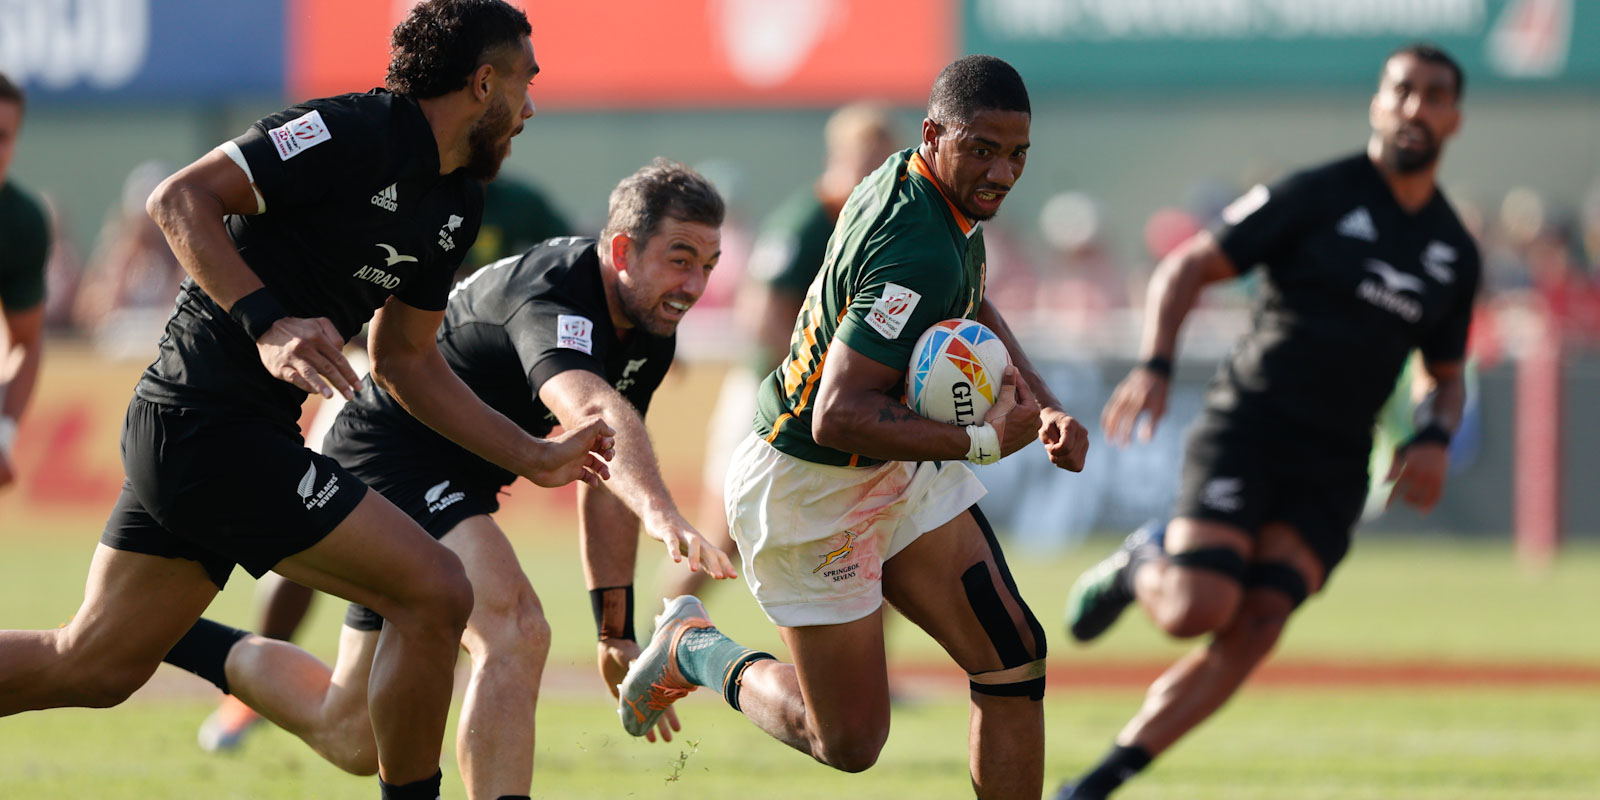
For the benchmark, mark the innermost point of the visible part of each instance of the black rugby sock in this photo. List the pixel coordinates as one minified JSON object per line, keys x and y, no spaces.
{"x":513,"y":797}
{"x":425,"y":789}
{"x":204,"y":651}
{"x":1119,"y":765}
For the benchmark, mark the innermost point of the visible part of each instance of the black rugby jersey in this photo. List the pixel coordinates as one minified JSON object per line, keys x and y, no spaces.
{"x":1351,"y":283}
{"x":515,"y":324}
{"x":354,"y":210}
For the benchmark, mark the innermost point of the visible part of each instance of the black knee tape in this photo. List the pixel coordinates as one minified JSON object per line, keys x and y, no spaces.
{"x":1010,"y":583}
{"x":1220,"y":560}
{"x":992,"y":615}
{"x":1281,"y":577}
{"x":361,"y":618}
{"x":1022,"y":672}
{"x":1033,"y":688}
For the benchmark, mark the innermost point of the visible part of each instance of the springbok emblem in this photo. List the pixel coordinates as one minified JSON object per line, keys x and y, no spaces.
{"x":835,"y":555}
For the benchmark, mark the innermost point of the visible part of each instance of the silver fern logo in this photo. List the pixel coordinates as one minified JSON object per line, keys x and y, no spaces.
{"x":432,"y":495}
{"x":310,"y":494}
{"x":438,"y":501}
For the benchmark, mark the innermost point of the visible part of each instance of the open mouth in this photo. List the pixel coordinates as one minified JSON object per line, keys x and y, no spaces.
{"x":989,"y":200}
{"x":675,"y":308}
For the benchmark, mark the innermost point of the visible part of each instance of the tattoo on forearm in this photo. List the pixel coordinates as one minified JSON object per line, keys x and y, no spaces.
{"x":897,"y":414}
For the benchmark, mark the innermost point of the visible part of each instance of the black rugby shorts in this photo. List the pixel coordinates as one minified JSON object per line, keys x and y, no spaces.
{"x":1247,"y":471}
{"x":222,"y":488}
{"x":436,"y":492}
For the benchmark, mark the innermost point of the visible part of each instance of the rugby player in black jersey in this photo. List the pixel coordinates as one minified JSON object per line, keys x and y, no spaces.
{"x":572,"y":328}
{"x":1364,"y":260}
{"x":293,"y":234}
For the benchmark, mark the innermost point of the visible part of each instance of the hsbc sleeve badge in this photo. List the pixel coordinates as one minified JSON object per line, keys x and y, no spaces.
{"x":888,"y":316}
{"x":299,"y":134}
{"x":575,"y":333}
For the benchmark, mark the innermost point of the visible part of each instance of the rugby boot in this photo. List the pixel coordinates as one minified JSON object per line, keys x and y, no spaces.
{"x":226,"y":727}
{"x":654,"y":681}
{"x":1101,"y":593}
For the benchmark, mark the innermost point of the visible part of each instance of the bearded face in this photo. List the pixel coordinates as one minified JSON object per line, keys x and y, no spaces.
{"x":489,"y":141}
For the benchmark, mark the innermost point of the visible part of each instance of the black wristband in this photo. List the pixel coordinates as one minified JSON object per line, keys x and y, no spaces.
{"x":608,"y":603}
{"x":1160,"y":365}
{"x":1433,"y":433}
{"x":256,"y":311}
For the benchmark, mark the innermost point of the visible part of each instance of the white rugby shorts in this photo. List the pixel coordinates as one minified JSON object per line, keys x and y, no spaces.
{"x":813,"y":538}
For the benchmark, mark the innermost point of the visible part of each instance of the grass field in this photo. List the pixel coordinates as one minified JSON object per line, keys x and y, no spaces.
{"x":1413,"y":601}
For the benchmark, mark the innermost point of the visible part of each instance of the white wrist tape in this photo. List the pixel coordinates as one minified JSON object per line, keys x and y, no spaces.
{"x":985,"y":447}
{"x":8,"y":435}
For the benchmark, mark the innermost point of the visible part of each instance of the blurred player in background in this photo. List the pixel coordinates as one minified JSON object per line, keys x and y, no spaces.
{"x":516,"y":216}
{"x":573,"y":328}
{"x":293,"y":234}
{"x":1364,"y":260}
{"x":24,"y":251}
{"x":842,"y":497}
{"x":787,"y":255}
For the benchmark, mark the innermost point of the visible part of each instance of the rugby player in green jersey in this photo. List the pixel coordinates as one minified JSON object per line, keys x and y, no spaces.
{"x":843,"y":498}
{"x":25,"y":232}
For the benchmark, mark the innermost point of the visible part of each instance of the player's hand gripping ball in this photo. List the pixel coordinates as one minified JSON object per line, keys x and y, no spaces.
{"x":955,"y":372}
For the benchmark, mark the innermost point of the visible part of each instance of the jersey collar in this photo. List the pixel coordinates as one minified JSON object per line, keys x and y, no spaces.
{"x":967,"y":225}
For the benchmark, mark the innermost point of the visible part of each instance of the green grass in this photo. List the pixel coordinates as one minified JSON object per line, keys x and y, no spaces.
{"x":1271,"y":744}
{"x":1409,"y":599}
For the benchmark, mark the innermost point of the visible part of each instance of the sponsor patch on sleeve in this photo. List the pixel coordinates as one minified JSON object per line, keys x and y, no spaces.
{"x":299,"y":134}
{"x":575,"y":333}
{"x":1248,"y":203}
{"x":889,"y":315}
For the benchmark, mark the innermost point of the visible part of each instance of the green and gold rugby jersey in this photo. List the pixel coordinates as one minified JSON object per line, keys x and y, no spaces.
{"x":901,"y":258}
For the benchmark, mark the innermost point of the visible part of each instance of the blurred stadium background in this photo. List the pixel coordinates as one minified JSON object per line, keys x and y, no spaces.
{"x":1149,"y":117}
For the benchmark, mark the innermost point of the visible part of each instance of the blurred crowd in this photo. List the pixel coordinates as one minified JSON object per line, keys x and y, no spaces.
{"x":1059,"y":278}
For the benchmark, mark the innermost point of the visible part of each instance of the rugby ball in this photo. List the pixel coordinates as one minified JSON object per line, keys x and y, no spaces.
{"x":955,"y":372}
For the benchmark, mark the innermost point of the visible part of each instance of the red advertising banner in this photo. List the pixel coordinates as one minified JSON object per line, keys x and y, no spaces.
{"x":655,"y":53}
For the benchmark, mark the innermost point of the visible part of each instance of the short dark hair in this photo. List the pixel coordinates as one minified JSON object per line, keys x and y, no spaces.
{"x":12,"y":93}
{"x":434,"y":51}
{"x":1432,"y":54}
{"x":661,"y":189}
{"x":973,"y":84}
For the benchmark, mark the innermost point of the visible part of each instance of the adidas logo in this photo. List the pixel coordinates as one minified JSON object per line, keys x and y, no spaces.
{"x":387,"y":199}
{"x":1358,"y":225}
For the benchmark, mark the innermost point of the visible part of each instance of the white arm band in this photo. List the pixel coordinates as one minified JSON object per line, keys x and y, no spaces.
{"x":985,"y":447}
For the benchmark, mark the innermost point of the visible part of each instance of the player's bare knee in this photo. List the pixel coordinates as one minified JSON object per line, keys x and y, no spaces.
{"x":1261,"y":620}
{"x":512,"y":627}
{"x":1197,"y":614}
{"x":442,"y":602}
{"x":1206,"y":587}
{"x":353,"y":750}
{"x":110,"y":683}
{"x":854,"y":750}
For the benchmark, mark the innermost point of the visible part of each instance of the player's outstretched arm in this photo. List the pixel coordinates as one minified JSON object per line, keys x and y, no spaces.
{"x":1174,"y":289}
{"x":859,"y":411}
{"x":1066,"y":441}
{"x":189,"y":207}
{"x":635,"y":473}
{"x":608,"y":537}
{"x":406,"y":362}
{"x":1421,"y":463}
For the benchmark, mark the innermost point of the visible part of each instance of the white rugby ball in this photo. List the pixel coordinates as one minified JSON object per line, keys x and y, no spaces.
{"x":955,"y":372}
